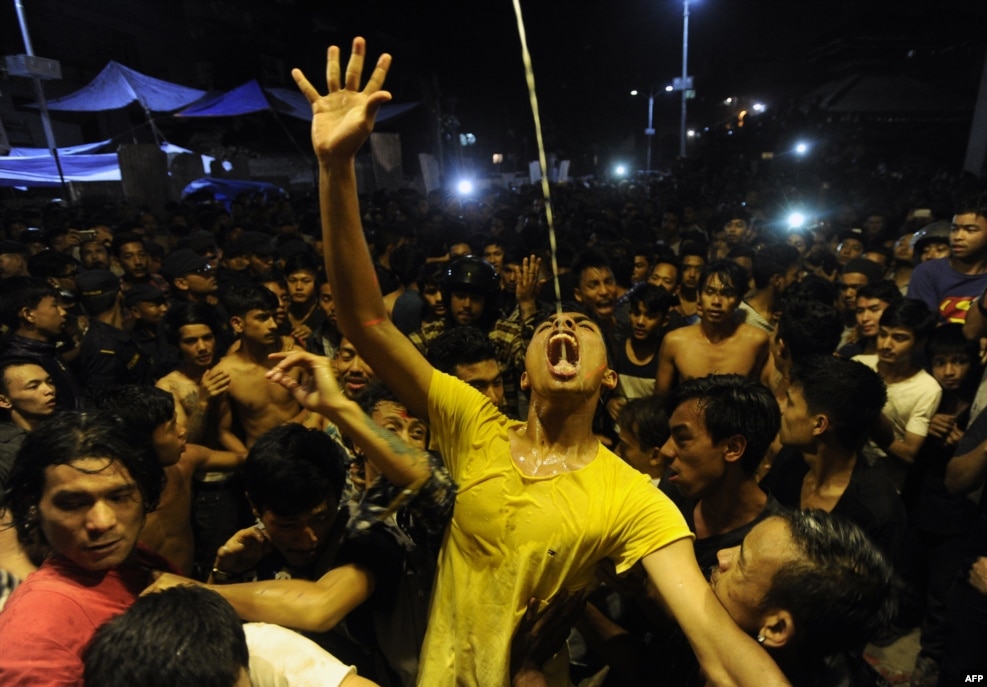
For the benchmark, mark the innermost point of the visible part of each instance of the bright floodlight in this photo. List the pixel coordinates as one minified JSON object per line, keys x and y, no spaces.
{"x":758,"y":107}
{"x":620,"y":170}
{"x":634,"y":92}
{"x":669,"y":88}
{"x":465,"y":187}
{"x":801,"y":147}
{"x":796,"y":220}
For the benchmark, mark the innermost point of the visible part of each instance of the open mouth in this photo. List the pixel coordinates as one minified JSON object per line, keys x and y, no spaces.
{"x":563,"y":354}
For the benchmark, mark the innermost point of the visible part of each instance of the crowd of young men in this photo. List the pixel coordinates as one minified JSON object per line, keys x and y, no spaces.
{"x":179,"y":433}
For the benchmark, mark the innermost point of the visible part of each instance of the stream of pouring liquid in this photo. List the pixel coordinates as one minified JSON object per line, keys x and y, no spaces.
{"x":530,"y":76}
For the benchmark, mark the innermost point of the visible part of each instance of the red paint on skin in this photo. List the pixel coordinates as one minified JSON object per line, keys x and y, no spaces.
{"x":372,"y":323}
{"x":601,"y":368}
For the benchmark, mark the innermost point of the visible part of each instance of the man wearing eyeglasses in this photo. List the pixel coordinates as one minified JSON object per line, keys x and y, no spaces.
{"x":191,"y":276}
{"x":950,"y":286}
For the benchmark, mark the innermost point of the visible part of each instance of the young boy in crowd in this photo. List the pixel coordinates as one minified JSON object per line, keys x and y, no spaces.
{"x":938,"y":521}
{"x":913,"y":394}
{"x":636,"y":358}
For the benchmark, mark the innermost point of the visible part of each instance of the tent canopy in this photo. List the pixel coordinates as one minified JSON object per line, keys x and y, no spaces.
{"x":251,"y":97}
{"x":41,"y":171}
{"x":118,"y":86}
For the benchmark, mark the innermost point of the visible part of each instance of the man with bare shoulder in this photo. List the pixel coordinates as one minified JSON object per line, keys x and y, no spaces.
{"x":250,"y":402}
{"x":151,"y":418}
{"x":718,"y":343}
{"x":195,"y":385}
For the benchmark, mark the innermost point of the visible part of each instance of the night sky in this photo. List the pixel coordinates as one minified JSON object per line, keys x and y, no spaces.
{"x":465,"y":57}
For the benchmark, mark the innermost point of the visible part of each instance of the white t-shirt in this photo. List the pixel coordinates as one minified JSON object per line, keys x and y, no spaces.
{"x":280,"y":657}
{"x":910,"y":406}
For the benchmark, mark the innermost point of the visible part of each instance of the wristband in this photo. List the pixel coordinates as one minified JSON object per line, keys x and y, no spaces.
{"x":222,"y":576}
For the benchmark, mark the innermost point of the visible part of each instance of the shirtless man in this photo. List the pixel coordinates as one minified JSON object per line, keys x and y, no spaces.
{"x":196,"y":385}
{"x":717,"y":344}
{"x":523,"y":525}
{"x":255,"y":405}
{"x":151,"y":414}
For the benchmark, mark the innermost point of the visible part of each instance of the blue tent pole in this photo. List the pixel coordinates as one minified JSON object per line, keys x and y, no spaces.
{"x":39,"y":93}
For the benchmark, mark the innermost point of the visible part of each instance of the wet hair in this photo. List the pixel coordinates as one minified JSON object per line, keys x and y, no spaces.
{"x":732,"y":405}
{"x":142,"y":408}
{"x":849,"y":393}
{"x":809,"y":328}
{"x":291,"y":469}
{"x":67,"y":437}
{"x":240,"y":299}
{"x":731,"y":274}
{"x":773,"y":259}
{"x":646,"y":420}
{"x":911,"y":314}
{"x":22,"y":292}
{"x":186,"y":313}
{"x":185,"y":635}
{"x":460,"y":346}
{"x":656,"y":299}
{"x":838,"y":589}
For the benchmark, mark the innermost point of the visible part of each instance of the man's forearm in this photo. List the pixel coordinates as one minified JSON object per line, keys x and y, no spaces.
{"x":300,"y":604}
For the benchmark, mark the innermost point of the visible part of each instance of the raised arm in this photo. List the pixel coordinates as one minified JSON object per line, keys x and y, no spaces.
{"x":727,"y":655}
{"x":341,"y":123}
{"x":401,"y":463}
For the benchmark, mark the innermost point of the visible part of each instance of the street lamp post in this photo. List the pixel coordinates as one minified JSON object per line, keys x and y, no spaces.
{"x":685,"y":73}
{"x":650,"y":131}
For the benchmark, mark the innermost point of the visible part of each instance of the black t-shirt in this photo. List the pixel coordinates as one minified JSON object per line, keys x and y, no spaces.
{"x":870,"y":499}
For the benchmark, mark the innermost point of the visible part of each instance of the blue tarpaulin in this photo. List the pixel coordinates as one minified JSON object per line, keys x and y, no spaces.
{"x":41,"y":171}
{"x":68,"y":150}
{"x":252,"y":97}
{"x":226,"y":190}
{"x":118,"y":86}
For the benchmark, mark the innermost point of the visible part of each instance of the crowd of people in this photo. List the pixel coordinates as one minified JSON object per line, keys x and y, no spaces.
{"x":688,"y":446}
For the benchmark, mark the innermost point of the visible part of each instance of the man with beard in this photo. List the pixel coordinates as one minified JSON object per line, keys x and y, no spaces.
{"x":717,"y":344}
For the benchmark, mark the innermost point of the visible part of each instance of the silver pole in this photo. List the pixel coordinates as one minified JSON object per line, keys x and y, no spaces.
{"x":685,"y":72}
{"x":39,"y":93}
{"x":651,"y":129}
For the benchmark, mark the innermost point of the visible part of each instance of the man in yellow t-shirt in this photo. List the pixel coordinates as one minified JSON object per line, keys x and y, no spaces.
{"x":540,"y":502}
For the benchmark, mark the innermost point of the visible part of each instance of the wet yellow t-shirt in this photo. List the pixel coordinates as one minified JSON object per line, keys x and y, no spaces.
{"x":513,"y":536}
